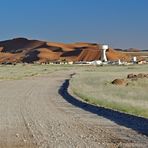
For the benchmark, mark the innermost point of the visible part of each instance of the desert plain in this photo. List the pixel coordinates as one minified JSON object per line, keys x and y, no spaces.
{"x":50,"y":106}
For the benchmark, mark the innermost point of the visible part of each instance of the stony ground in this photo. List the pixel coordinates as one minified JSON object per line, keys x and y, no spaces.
{"x":33,"y":114}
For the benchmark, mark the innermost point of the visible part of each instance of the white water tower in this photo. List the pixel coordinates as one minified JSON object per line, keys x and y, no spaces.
{"x":103,"y":53}
{"x":134,"y":59}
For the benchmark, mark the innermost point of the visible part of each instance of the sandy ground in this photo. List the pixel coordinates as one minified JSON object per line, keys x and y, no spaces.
{"x":33,"y":114}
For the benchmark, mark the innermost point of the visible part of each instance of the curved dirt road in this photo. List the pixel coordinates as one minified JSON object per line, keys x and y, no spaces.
{"x":33,"y":114}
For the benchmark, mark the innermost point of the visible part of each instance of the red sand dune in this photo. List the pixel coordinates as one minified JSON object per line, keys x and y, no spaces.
{"x":24,"y":50}
{"x":115,"y":55}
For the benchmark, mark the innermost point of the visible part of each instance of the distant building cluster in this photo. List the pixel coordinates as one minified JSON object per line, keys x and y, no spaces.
{"x":101,"y":61}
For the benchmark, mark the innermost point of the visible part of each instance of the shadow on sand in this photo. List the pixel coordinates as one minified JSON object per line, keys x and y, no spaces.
{"x":138,"y":124}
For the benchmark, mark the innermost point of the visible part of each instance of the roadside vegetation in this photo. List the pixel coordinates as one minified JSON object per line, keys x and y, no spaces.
{"x":93,"y":85}
{"x":19,"y":71}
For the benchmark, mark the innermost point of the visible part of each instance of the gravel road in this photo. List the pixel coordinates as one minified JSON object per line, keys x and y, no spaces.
{"x":33,"y":114}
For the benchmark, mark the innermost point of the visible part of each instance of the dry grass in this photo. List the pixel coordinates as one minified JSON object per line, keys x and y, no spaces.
{"x":19,"y":71}
{"x":94,"y":85}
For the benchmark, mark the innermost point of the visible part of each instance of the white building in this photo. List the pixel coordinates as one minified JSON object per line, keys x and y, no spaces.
{"x":96,"y":62}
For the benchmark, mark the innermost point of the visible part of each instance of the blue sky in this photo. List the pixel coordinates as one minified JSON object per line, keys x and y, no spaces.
{"x":119,"y":23}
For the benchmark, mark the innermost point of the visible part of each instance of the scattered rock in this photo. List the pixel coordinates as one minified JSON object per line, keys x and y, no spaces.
{"x":25,"y":140}
{"x":120,"y":82}
{"x":140,"y":75}
{"x":17,"y":135}
{"x":131,"y":76}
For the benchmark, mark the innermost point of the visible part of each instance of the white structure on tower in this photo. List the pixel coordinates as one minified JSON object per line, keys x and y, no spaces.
{"x":134,"y":59}
{"x":103,"y":53}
